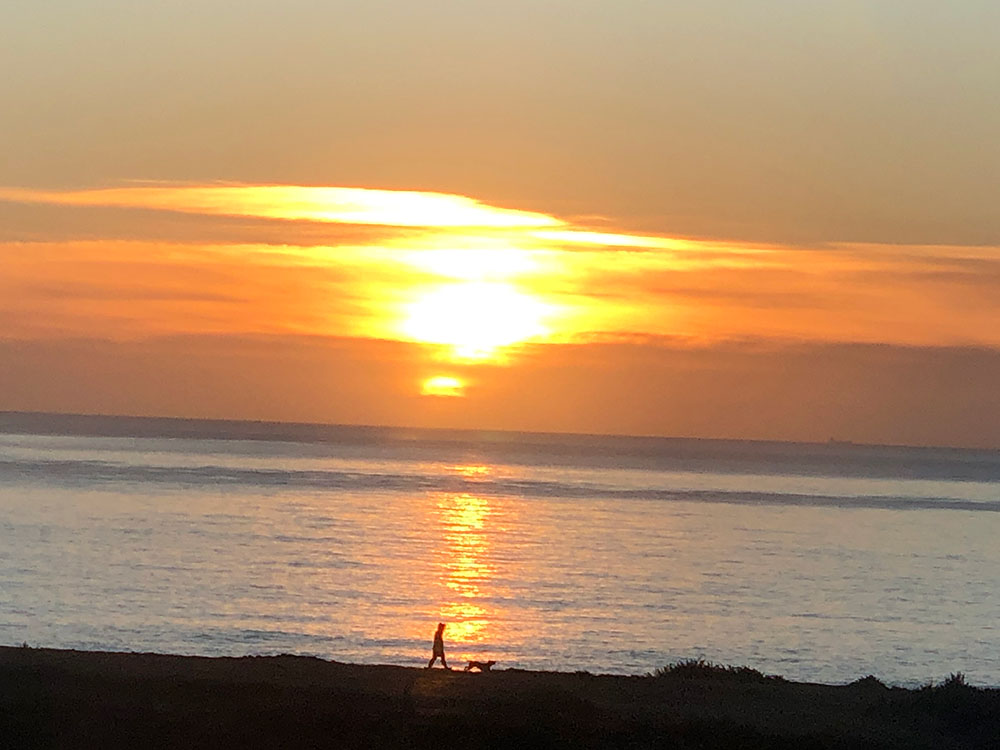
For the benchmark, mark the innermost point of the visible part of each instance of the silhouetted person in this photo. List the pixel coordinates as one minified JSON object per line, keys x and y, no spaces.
{"x":438,"y":647}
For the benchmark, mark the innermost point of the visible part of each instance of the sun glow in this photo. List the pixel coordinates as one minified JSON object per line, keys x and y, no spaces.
{"x":443,"y":385}
{"x":345,"y":205}
{"x":475,"y":319}
{"x":611,"y":239}
{"x":481,"y":264}
{"x":470,"y":280}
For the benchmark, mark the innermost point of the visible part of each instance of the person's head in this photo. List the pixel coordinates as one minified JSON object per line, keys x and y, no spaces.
{"x":440,"y":627}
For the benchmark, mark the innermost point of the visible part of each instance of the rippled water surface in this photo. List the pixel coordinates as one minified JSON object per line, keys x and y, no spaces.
{"x":821,"y":563}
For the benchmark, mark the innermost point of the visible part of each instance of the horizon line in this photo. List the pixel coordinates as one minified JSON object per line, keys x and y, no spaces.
{"x":481,"y":432}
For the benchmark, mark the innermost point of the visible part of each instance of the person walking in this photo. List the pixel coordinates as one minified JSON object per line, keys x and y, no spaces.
{"x":438,"y":647}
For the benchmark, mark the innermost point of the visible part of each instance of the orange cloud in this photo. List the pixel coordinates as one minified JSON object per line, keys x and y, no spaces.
{"x":558,"y":324}
{"x":347,"y":205}
{"x":471,"y":281}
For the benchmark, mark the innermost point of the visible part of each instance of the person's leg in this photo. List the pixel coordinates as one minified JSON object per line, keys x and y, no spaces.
{"x":431,"y":662}
{"x":444,"y":663}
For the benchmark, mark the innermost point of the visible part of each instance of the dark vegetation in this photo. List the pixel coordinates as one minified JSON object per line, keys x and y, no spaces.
{"x":71,"y":699}
{"x":699,"y":669}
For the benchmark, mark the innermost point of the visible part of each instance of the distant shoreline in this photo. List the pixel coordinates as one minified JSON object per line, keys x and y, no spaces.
{"x":125,"y":425}
{"x":58,"y":698}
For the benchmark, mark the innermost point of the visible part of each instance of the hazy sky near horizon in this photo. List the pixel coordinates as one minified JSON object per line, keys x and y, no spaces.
{"x":773,"y":219}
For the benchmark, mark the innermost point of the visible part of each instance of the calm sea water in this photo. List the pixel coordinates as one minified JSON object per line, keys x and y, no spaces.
{"x":818,"y":562}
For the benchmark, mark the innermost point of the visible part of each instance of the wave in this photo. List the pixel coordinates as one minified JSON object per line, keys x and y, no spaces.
{"x":77,"y":473}
{"x":833,"y":458}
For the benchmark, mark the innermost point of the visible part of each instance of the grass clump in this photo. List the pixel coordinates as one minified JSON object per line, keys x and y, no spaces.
{"x":955,"y":681}
{"x":871,"y":682}
{"x":700,"y":669}
{"x":967,"y":709}
{"x":954,"y":685}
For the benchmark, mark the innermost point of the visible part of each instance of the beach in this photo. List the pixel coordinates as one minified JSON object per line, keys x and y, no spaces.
{"x":60,"y":698}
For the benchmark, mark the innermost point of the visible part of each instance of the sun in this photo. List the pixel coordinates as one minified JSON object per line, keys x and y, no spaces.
{"x":474,"y":319}
{"x":443,"y":385}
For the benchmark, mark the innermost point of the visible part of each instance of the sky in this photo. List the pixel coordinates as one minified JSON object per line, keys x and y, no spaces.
{"x":772,"y":220}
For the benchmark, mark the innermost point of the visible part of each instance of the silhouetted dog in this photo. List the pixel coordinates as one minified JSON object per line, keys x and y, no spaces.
{"x":482,"y":666}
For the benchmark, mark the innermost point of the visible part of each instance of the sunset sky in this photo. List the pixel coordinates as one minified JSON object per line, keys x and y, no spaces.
{"x":773,"y":220}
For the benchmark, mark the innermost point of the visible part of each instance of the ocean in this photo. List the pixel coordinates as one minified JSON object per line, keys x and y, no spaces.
{"x":818,"y":562}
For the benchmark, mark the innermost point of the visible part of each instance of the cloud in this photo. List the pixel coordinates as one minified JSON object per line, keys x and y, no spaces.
{"x":344,"y":205}
{"x":116,"y":290}
{"x":40,"y":222}
{"x":256,"y":259}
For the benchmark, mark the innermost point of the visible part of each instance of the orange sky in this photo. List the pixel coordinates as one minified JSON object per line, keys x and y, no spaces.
{"x":473,"y":276}
{"x":477,"y":296}
{"x":650,"y":218}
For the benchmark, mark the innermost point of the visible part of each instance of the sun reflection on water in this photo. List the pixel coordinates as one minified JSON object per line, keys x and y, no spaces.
{"x":466,"y":568}
{"x":472,"y":471}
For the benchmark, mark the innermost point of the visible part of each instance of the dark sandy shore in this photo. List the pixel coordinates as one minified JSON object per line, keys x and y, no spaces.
{"x":51,"y":698}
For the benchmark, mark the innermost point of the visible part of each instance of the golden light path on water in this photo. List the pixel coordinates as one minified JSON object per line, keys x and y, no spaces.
{"x":465,"y":566}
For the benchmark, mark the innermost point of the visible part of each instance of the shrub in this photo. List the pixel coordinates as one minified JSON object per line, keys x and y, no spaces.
{"x":956,"y":680}
{"x":969,"y":709}
{"x":699,"y":669}
{"x":870,"y":682}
